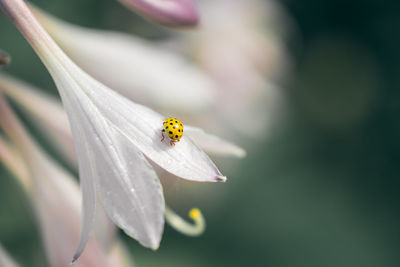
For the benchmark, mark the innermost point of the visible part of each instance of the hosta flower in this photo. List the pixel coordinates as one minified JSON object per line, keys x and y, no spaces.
{"x":136,"y":68}
{"x":167,"y":12}
{"x":116,"y":142}
{"x":47,"y":113}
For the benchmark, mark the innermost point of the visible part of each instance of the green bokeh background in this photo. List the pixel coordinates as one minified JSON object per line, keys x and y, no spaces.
{"x":322,"y":190}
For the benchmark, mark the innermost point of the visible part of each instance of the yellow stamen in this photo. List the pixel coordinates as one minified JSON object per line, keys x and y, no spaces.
{"x":184,"y":227}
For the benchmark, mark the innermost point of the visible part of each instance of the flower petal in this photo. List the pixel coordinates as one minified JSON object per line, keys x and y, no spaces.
{"x":86,"y":173}
{"x":167,"y":12}
{"x":212,"y":143}
{"x":126,"y":183}
{"x":134,"y":202}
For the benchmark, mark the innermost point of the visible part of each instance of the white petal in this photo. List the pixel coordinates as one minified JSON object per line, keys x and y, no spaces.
{"x":134,"y":67}
{"x":212,"y":143}
{"x":135,"y":201}
{"x":87,"y":182}
{"x":126,"y":183}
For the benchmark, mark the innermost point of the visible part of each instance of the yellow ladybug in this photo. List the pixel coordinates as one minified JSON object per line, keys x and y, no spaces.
{"x":174,"y":129}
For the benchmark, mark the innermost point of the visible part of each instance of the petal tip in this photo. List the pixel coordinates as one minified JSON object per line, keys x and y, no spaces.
{"x":241,"y":153}
{"x":153,"y":242}
{"x":74,"y":258}
{"x":221,"y":179}
{"x":155,"y":247}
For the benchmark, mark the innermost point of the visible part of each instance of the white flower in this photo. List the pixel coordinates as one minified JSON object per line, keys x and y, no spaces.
{"x":115,"y":139}
{"x":47,"y":113}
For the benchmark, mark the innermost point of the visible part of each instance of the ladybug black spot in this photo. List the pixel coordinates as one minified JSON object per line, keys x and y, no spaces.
{"x":176,"y":136}
{"x":166,"y":127}
{"x":171,"y":123}
{"x":179,"y":130}
{"x":170,"y":132}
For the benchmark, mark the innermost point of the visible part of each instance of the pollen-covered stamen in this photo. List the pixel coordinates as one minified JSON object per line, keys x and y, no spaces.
{"x":183,"y":226}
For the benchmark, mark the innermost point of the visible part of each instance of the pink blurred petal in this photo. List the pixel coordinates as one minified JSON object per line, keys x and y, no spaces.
{"x":166,"y":12}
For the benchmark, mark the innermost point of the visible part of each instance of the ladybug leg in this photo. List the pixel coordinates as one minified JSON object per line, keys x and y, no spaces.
{"x":162,"y":133}
{"x":172,"y":142}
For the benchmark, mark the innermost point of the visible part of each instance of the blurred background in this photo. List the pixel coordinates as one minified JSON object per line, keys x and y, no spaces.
{"x":319,"y":186}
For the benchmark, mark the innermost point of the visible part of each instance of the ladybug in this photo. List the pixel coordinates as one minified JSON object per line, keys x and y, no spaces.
{"x":174,"y":129}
